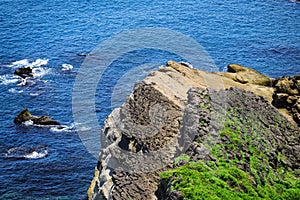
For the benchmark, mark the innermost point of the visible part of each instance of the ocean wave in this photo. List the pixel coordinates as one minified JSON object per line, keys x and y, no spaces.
{"x":26,"y":63}
{"x":63,"y":128}
{"x":40,"y":71}
{"x":34,"y":94}
{"x":38,"y":66}
{"x":13,"y":90}
{"x":23,"y":152}
{"x":66,"y":67}
{"x":36,"y":155}
{"x":23,"y":82}
{"x":7,"y":79}
{"x":70,"y":128}
{"x":40,"y":62}
{"x":20,"y":63}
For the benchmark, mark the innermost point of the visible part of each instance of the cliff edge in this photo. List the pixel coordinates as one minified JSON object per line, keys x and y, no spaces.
{"x":180,"y":120}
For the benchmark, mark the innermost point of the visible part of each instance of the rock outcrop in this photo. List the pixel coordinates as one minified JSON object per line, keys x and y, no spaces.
{"x":245,"y":75}
{"x":287,"y":95}
{"x":178,"y":110}
{"x":24,"y":72}
{"x":25,"y":115}
{"x":259,"y":143}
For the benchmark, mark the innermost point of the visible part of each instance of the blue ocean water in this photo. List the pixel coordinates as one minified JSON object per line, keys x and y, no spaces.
{"x":50,"y":163}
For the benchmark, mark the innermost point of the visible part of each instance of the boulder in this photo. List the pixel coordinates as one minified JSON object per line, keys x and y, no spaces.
{"x":246,"y":75}
{"x":25,"y":115}
{"x":24,"y":72}
{"x":279,"y":100}
{"x":287,"y":95}
{"x":287,"y":85}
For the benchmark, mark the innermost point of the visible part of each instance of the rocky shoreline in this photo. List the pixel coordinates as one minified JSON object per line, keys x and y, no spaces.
{"x":182,"y":111}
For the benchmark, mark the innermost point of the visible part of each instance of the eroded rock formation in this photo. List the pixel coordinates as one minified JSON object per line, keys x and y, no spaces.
{"x":25,"y":115}
{"x":287,"y":95}
{"x":172,"y":112}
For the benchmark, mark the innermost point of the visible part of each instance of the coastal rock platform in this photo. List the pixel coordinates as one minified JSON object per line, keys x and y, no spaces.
{"x":207,"y":117}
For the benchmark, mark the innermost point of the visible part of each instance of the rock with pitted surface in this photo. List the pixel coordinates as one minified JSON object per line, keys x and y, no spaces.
{"x":180,"y":109}
{"x":25,"y":115}
{"x":245,"y":75}
{"x":287,"y":95}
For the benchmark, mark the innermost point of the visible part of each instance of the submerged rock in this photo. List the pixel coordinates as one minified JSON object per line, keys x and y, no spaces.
{"x":24,"y":72}
{"x":25,"y":115}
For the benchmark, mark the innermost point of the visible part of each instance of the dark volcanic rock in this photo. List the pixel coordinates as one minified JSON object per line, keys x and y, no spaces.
{"x":24,"y":72}
{"x":25,"y":115}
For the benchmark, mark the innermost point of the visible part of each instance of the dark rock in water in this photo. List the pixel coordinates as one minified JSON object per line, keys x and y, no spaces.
{"x":84,"y":54}
{"x":24,"y":72}
{"x":25,"y":115}
{"x":45,"y":120}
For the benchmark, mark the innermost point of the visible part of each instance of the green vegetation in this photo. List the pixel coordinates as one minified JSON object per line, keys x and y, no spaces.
{"x":243,"y":169}
{"x":182,"y":157}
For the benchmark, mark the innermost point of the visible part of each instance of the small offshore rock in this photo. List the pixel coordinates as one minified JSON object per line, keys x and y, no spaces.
{"x":24,"y":72}
{"x":25,"y":115}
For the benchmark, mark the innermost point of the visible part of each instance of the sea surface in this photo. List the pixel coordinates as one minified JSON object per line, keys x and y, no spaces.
{"x":51,"y":36}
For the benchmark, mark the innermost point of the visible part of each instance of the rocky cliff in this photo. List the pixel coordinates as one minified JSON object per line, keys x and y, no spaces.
{"x":179,"y":120}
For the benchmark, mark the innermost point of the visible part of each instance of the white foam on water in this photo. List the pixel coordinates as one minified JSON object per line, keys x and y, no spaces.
{"x":13,"y":90}
{"x":27,"y":152}
{"x":20,"y":63}
{"x":6,"y":79}
{"x":79,"y":127}
{"x":40,"y":62}
{"x":23,"y":82}
{"x":63,"y":128}
{"x":40,"y":71}
{"x":12,"y":150}
{"x":34,"y":94}
{"x":66,"y":67}
{"x":28,"y":123}
{"x":36,"y":155}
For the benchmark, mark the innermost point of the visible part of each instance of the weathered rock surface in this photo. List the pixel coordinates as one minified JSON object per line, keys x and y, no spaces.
{"x":279,"y":135}
{"x":264,"y":133}
{"x":25,"y":115}
{"x":245,"y":75}
{"x":287,"y":95}
{"x":160,"y":120}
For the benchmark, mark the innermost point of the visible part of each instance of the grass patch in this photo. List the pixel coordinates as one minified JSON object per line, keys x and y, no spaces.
{"x":242,"y":169}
